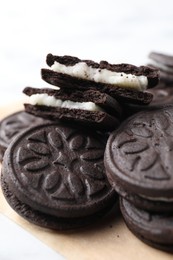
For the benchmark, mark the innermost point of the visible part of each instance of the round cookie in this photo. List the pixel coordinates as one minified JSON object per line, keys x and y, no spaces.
{"x":56,"y":172}
{"x":153,"y":229}
{"x":13,"y":124}
{"x":138,"y":159}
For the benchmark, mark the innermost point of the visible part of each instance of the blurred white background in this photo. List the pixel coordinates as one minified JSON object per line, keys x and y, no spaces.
{"x":118,"y":31}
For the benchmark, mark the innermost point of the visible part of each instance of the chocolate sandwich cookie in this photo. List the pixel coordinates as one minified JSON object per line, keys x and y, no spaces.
{"x":91,"y":107}
{"x":162,"y":96}
{"x":124,"y":82}
{"x":13,"y":124}
{"x":138,"y":159}
{"x":164,"y":63}
{"x":53,"y":175}
{"x":153,"y":229}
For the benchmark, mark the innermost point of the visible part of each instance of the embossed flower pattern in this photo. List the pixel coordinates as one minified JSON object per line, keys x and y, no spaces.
{"x":65,"y":165}
{"x":146,"y":147}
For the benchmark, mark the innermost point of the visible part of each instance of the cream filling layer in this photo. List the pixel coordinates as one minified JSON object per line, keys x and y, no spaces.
{"x":46,"y":100}
{"x":82,"y":70}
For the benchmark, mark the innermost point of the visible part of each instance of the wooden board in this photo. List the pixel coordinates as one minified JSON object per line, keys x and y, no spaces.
{"x":108,"y":239}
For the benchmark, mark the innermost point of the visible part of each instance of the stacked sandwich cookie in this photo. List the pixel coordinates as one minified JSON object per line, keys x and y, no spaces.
{"x":124,"y":82}
{"x":53,"y":174}
{"x":90,"y":93}
{"x":139,"y":166}
{"x":162,"y":92}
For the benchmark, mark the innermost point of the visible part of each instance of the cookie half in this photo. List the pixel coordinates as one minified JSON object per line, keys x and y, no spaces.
{"x":90,"y":108}
{"x":124,"y":82}
{"x":153,"y":229}
{"x":53,"y":175}
{"x":138,"y":159}
{"x":13,"y":124}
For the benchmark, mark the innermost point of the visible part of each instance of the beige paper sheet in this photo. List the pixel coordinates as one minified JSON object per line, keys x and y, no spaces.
{"x":108,"y":239}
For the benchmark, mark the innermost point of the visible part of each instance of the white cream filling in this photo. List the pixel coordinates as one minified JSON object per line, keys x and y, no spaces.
{"x":82,"y":70}
{"x":161,"y":66}
{"x":46,"y":100}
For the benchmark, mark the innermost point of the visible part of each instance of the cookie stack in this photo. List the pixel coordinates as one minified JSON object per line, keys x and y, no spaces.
{"x":90,"y":93}
{"x":138,"y":161}
{"x":53,"y":172}
{"x":139,"y":165}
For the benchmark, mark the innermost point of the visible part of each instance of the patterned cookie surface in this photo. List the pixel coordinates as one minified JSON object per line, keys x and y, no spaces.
{"x":58,"y":169}
{"x":14,"y":124}
{"x":139,"y":154}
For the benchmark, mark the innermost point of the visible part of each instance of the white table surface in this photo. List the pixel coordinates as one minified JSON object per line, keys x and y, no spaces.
{"x":17,"y":244}
{"x":117,"y":31}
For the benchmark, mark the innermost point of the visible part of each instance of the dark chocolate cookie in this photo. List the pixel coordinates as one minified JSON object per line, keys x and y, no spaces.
{"x":67,"y":61}
{"x":162,"y":96}
{"x":138,"y":159}
{"x":164,"y":63}
{"x":125,"y":82}
{"x":90,"y":108}
{"x":122,"y":95}
{"x":153,"y":229}
{"x":57,"y":172}
{"x":13,"y":124}
{"x":162,"y":58}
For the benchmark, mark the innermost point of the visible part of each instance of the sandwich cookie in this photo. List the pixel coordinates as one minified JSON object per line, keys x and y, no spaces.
{"x":124,"y":82}
{"x":138,"y":159}
{"x":13,"y":124}
{"x":162,"y":96}
{"x":53,"y":175}
{"x":154,"y":229}
{"x":164,"y":63}
{"x":91,"y":108}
